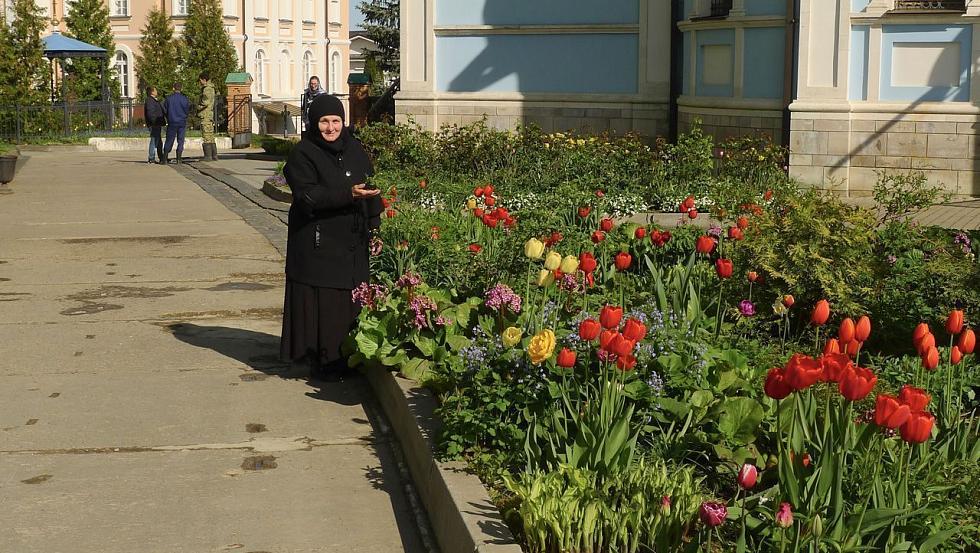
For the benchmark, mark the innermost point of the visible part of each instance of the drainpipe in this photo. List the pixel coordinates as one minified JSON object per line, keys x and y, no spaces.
{"x":790,"y":65}
{"x":676,"y":66}
{"x":244,"y":37}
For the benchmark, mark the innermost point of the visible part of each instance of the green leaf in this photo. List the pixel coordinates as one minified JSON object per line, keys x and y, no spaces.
{"x":740,"y":419}
{"x":366,"y":344}
{"x":938,"y":539}
{"x":415,"y":368}
{"x":457,"y":342}
{"x":425,"y":344}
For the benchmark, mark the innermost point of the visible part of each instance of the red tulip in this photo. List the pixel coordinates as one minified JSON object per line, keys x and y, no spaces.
{"x":475,"y":248}
{"x":747,"y":476}
{"x":915,"y":398}
{"x":606,"y":225}
{"x":862,"y":330}
{"x":478,"y":213}
{"x":967,"y":341}
{"x":857,"y":383}
{"x":752,"y":276}
{"x":390,"y":213}
{"x":606,"y":338}
{"x":610,"y":316}
{"x":918,"y":428}
{"x":713,"y":513}
{"x":776,"y":386}
{"x":927,"y":341}
{"x":584,"y":211}
{"x":820,"y":313}
{"x":846,"y":331}
{"x":622,"y":346}
{"x":954,"y":323}
{"x":640,"y":233}
{"x":743,"y":222}
{"x":853,"y":347}
{"x":788,"y":301}
{"x":634,"y":330}
{"x":589,"y":329}
{"x":724,"y":268}
{"x":688,"y":203}
{"x":930,"y":358}
{"x":920,"y":331}
{"x":831,"y":347}
{"x":510,"y":222}
{"x":554,"y":238}
{"x":692,"y":213}
{"x":489,"y":200}
{"x":490,"y":221}
{"x":598,"y":236}
{"x":626,"y":362}
{"x":501,"y":213}
{"x":705,"y":244}
{"x":586,"y":262}
{"x":802,"y":371}
{"x":890,"y":412}
{"x":834,"y":366}
{"x":623,"y":261}
{"x":488,"y":190}
{"x":735,"y":233}
{"x":955,"y":355}
{"x":478,"y":191}
{"x":566,"y":358}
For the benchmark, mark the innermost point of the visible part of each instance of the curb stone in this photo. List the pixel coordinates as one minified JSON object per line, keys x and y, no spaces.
{"x":462,"y":516}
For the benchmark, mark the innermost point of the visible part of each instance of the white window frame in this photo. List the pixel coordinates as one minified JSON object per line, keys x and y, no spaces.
{"x":308,"y":63}
{"x":285,"y":72}
{"x":336,"y":68}
{"x":260,"y":71}
{"x":181,"y":7}
{"x":333,"y":13}
{"x":123,"y":76}
{"x":120,"y":8}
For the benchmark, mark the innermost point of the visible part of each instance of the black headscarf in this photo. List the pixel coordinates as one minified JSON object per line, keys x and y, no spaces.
{"x":327,"y":104}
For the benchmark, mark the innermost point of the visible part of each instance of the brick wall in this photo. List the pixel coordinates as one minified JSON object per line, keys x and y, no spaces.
{"x":723,"y":126}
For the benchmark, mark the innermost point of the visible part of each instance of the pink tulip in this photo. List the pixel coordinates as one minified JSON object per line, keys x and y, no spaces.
{"x":747,"y":476}
{"x":784,"y":517}
{"x":713,"y":513}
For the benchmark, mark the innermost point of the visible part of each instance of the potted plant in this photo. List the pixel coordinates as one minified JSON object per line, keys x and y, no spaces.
{"x":8,"y":166}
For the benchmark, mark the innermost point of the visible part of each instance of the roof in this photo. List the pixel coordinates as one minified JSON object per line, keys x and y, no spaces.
{"x":277,"y":108}
{"x":57,"y":45}
{"x":359,"y":78}
{"x":238,"y":78}
{"x":363,"y":35}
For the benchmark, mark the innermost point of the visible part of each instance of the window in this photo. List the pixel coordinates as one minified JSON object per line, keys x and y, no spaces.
{"x":309,"y":11}
{"x":122,"y":73}
{"x":334,"y":12}
{"x":720,"y":8}
{"x":286,"y":9}
{"x":231,"y":7}
{"x":285,"y":72}
{"x":262,"y":9}
{"x":335,"y":69}
{"x":181,"y":6}
{"x":120,"y":8}
{"x":260,"y":72}
{"x":307,"y":67}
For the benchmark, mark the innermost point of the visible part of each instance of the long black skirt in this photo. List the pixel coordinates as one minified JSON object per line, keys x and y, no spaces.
{"x":315,"y":321}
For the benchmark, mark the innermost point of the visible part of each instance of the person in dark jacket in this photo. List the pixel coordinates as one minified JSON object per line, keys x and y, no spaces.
{"x":313,"y":89}
{"x":330,"y":224}
{"x":177,"y":107}
{"x":156,"y":118}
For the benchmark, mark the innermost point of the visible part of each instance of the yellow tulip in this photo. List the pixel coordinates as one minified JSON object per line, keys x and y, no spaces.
{"x":511,"y":337}
{"x":471,"y":204}
{"x":569,"y":264}
{"x":552,"y":261}
{"x":533,"y":249}
{"x":545,"y":278}
{"x":541,"y":347}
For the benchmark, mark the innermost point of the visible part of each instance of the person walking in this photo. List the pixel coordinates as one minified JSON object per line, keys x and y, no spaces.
{"x":313,"y":89}
{"x":156,"y":118}
{"x":177,"y":107}
{"x":329,"y":229}
{"x":205,"y":112}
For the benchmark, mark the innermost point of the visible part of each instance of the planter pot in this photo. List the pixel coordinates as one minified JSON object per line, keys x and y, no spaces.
{"x":8,"y":167}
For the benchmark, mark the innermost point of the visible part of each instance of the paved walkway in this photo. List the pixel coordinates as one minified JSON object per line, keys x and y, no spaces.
{"x":143,"y":405}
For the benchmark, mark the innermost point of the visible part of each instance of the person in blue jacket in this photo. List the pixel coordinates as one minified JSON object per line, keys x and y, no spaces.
{"x":177,"y":107}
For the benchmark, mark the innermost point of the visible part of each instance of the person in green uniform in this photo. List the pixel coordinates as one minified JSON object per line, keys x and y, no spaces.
{"x":205,"y":111}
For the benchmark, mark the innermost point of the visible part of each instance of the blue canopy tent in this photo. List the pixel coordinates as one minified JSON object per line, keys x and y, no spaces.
{"x":60,"y":47}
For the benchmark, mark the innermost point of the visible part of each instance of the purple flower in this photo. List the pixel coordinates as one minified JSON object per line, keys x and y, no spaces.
{"x":501,"y":296}
{"x":369,"y":295}
{"x":421,"y":305}
{"x":409,"y":280}
{"x":376,"y":245}
{"x":746,"y":308}
{"x":715,"y":231}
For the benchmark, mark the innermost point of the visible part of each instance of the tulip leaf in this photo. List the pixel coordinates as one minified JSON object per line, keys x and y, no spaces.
{"x":938,"y":539}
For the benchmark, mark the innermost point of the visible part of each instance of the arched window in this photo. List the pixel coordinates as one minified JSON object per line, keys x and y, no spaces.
{"x":285,"y":72}
{"x":260,"y":72}
{"x":307,"y":66}
{"x":335,"y":68}
{"x":122,"y":72}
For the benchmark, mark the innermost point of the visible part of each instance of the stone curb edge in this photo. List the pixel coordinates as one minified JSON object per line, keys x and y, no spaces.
{"x":461,"y":514}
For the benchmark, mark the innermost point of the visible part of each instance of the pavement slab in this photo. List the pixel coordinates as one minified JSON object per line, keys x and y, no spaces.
{"x":144,"y":404}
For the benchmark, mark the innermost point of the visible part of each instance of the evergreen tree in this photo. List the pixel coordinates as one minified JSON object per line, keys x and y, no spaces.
{"x":381,"y":24}
{"x":24,"y":73}
{"x":89,"y":22}
{"x":208,"y":48}
{"x":156,"y":65}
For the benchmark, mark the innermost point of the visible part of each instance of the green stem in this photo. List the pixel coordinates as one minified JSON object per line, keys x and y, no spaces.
{"x":720,"y":312}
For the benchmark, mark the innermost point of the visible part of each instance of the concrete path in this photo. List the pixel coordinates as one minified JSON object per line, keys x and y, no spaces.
{"x":142,"y":407}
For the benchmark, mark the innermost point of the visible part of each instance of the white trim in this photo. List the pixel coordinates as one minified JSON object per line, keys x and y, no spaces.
{"x":468,"y":30}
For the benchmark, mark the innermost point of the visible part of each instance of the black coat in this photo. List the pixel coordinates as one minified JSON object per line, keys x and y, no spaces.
{"x":329,"y":231}
{"x":154,"y":113}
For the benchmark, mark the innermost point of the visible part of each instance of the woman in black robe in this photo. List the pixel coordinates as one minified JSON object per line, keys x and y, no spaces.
{"x":330,"y":224}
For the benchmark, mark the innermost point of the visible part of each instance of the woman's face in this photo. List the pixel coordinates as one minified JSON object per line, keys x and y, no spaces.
{"x":314,"y":84}
{"x":330,"y":127}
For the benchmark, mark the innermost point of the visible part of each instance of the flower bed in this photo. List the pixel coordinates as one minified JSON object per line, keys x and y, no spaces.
{"x":614,"y":383}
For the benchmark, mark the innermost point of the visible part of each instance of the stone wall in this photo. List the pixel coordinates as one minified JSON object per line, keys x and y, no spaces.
{"x":724,"y":125}
{"x":647,"y":119}
{"x":847,"y":150}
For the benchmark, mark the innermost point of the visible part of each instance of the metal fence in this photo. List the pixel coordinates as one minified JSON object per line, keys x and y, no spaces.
{"x":20,"y":123}
{"x":925,"y":5}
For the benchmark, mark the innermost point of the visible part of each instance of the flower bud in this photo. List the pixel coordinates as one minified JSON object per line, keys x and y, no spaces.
{"x":552,"y":261}
{"x":533,"y":249}
{"x":569,"y":264}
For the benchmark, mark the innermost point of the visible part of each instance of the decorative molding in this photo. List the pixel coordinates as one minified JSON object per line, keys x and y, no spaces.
{"x":471,"y":30}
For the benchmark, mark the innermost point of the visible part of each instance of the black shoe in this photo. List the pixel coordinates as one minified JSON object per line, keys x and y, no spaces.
{"x":163,"y":160}
{"x":178,"y":159}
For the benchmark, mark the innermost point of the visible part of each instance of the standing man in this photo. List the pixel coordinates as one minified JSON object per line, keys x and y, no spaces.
{"x":205,"y":111}
{"x":155,"y":119}
{"x":177,"y":107}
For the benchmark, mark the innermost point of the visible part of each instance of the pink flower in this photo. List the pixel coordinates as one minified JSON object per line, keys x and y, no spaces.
{"x":747,"y":476}
{"x":713,"y":513}
{"x":746,"y":308}
{"x":784,"y":516}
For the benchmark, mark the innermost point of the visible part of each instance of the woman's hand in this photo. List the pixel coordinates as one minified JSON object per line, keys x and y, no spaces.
{"x":360,"y":192}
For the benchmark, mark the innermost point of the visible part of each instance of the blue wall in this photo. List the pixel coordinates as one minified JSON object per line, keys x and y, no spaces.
{"x":764,"y":62}
{"x":765,"y":7}
{"x":579,"y":63}
{"x":713,"y":38}
{"x":891,"y":34}
{"x":686,"y":77}
{"x":535,"y":12}
{"x":858,"y":76}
